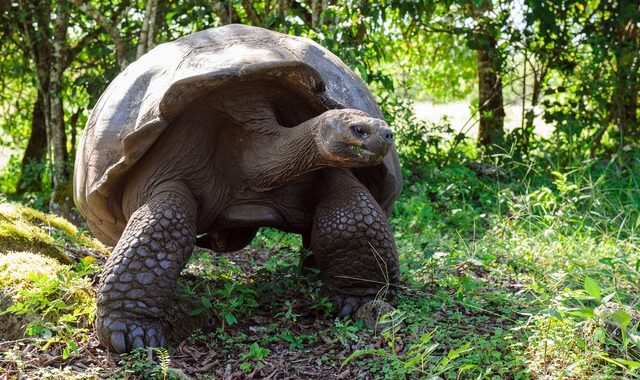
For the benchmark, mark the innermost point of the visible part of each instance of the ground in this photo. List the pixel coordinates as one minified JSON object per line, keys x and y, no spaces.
{"x":503,"y":278}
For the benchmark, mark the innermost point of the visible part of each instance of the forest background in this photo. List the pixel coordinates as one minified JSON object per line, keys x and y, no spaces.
{"x":537,"y":233}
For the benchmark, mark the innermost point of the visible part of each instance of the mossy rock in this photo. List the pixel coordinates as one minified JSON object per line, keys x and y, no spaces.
{"x":16,"y":272}
{"x":25,"y":229}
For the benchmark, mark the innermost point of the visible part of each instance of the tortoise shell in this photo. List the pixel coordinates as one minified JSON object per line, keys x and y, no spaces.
{"x":149,"y":94}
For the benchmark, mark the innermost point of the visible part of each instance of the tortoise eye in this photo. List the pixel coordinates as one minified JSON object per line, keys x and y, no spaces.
{"x":359,"y":131}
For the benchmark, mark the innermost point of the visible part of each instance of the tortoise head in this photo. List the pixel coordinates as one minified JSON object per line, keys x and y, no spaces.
{"x":351,"y":138}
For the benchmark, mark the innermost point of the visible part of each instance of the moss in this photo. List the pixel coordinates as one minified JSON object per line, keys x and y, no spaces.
{"x":25,"y":229}
{"x":17,"y":270}
{"x":15,"y":267}
{"x":36,"y":282}
{"x":43,"y":294}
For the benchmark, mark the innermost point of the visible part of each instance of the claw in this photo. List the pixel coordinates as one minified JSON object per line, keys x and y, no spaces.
{"x":346,"y":310}
{"x":137,"y":343}
{"x":135,"y":333}
{"x":118,"y":341}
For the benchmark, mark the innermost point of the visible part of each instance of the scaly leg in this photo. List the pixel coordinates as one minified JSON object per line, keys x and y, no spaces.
{"x":352,"y":244}
{"x":139,"y":280}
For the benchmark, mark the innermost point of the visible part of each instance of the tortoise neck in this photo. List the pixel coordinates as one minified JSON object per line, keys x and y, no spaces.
{"x":291,"y":153}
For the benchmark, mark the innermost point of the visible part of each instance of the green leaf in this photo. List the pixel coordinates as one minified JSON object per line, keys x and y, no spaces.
{"x":584,"y":312}
{"x":631,"y":364}
{"x":206,"y":302}
{"x":621,"y":319}
{"x":635,"y":339}
{"x":230,"y":319}
{"x":358,"y":353}
{"x":245,"y":367}
{"x":592,"y":288}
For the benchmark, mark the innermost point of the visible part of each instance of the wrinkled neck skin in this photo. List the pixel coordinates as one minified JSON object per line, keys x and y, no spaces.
{"x":290,"y":153}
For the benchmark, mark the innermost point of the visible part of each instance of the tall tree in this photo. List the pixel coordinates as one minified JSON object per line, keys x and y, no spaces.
{"x":44,"y":32}
{"x":624,"y":37}
{"x":484,"y":39}
{"x":15,"y":74}
{"x":35,"y":154}
{"x":147,"y":32}
{"x":59,"y":62}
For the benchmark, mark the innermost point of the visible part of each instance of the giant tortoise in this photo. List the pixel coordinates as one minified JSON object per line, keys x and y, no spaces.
{"x":204,"y":140}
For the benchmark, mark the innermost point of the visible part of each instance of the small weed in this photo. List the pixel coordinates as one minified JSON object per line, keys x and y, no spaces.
{"x":60,"y":305}
{"x":253,"y":357}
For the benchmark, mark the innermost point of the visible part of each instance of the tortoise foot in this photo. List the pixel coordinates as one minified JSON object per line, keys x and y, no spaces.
{"x":122,"y":334}
{"x":139,"y":282}
{"x":347,"y":304}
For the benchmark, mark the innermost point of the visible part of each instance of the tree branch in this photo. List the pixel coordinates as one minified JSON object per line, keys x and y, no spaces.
{"x":109,"y":27}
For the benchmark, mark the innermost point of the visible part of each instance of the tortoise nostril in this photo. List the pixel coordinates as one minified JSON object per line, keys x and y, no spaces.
{"x":388,"y":136}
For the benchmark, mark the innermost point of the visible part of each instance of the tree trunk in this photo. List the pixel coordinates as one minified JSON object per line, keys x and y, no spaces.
{"x":56,"y":112}
{"x":151,"y":38}
{"x":32,"y":169}
{"x":490,"y":107}
{"x":39,"y":48}
{"x":491,"y":110}
{"x":225,"y":12}
{"x":283,"y":8}
{"x":145,"y":42}
{"x":73,"y":128}
{"x":316,"y":9}
{"x":625,"y":98}
{"x":539,"y":77}
{"x":109,"y":26}
{"x":252,"y":15}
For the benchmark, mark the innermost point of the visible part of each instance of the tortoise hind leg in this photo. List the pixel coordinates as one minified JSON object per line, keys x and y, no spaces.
{"x":352,"y":244}
{"x":140,"y":278}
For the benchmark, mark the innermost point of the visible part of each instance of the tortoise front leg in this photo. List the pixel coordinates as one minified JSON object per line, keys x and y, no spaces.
{"x":352,"y":244}
{"x":140,"y":277}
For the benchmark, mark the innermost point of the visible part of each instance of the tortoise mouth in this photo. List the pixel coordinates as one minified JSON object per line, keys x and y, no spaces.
{"x":362,"y":152}
{"x":351,"y":155}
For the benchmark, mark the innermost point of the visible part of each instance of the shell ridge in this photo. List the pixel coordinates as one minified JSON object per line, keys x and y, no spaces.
{"x":143,"y":100}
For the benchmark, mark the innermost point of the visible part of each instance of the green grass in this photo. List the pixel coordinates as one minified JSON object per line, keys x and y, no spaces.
{"x":501,"y":279}
{"x":502,"y":266}
{"x":498,"y":278}
{"x":495,"y":272}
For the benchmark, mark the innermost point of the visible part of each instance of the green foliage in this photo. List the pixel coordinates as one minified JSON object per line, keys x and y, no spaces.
{"x":503,"y":278}
{"x":58,"y":301}
{"x":141,"y":364}
{"x":224,"y":295}
{"x":509,"y":276}
{"x":253,"y":357}
{"x":63,"y":307}
{"x":418,"y":360}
